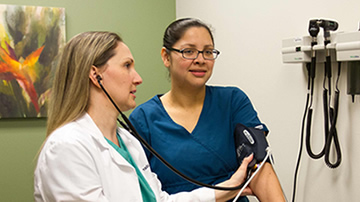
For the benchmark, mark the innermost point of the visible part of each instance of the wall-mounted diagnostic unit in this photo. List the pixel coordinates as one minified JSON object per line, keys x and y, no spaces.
{"x":343,"y":47}
{"x":313,"y":51}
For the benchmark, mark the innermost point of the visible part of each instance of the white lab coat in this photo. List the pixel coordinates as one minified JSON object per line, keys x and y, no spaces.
{"x":78,"y":164}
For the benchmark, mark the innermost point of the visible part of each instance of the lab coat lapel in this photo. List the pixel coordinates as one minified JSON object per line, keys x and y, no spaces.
{"x":126,"y":137}
{"x":91,"y":128}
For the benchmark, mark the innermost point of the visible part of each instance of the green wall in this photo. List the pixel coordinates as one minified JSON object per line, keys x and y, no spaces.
{"x":140,"y":23}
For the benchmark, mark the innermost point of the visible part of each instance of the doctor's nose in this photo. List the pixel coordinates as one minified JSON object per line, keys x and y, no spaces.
{"x":137,"y":78}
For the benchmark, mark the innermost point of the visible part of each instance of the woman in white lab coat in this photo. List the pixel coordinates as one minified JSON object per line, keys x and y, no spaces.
{"x":86,"y":156}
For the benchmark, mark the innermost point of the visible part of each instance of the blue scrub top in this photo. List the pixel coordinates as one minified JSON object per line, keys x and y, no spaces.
{"x":208,"y":153}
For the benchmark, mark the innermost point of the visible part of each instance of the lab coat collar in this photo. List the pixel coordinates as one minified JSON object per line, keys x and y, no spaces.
{"x":89,"y":126}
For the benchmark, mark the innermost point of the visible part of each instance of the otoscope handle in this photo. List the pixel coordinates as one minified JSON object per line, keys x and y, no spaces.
{"x":312,"y":67}
{"x":328,"y":67}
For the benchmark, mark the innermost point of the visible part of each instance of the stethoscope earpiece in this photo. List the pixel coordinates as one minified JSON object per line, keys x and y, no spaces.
{"x":98,"y":77}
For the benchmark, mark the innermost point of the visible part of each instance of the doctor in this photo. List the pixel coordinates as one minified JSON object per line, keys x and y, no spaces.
{"x":86,"y":156}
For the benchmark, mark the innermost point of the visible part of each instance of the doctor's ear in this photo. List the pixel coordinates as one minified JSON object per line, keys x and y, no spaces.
{"x":94,"y":76}
{"x":165,"y":56}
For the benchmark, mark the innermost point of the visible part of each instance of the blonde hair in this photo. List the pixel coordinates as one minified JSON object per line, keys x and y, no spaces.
{"x":70,"y":91}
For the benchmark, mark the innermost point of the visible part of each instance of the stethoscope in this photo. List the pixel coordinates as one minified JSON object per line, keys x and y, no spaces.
{"x":131,"y":129}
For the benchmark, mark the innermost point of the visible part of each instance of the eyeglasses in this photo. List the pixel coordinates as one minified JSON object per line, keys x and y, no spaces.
{"x":193,"y":53}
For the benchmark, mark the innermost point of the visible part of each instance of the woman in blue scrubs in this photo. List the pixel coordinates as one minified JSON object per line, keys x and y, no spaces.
{"x":192,"y":125}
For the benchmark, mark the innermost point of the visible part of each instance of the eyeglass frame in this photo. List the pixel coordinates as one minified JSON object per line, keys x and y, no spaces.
{"x":198,"y":52}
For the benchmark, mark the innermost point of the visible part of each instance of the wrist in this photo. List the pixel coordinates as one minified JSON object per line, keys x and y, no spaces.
{"x":221,"y":195}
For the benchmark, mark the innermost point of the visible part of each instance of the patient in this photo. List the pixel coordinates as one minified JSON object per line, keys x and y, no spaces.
{"x":192,"y":125}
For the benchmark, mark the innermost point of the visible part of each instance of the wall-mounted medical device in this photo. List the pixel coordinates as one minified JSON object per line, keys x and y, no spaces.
{"x":330,"y":48}
{"x":353,"y":79}
{"x":344,"y":47}
{"x":348,"y":49}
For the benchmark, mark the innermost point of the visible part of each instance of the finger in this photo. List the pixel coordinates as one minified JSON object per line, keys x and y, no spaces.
{"x":247,"y":160}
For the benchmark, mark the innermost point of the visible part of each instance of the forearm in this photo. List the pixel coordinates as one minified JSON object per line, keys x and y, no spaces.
{"x":236,"y":179}
{"x":226,"y":195}
{"x":266,"y":185}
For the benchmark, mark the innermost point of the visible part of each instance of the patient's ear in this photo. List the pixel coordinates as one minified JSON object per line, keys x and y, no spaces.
{"x":165,"y":57}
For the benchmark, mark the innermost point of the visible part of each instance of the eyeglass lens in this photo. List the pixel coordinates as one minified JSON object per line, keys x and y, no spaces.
{"x":191,"y":53}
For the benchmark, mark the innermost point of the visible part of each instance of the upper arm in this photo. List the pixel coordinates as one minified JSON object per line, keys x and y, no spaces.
{"x":244,"y":111}
{"x":67,"y":171}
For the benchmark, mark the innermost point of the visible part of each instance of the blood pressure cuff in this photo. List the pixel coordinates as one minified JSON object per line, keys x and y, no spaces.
{"x":250,"y":141}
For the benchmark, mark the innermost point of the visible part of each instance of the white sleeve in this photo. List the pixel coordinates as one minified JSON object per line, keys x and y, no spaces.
{"x":66,"y":171}
{"x":200,"y":195}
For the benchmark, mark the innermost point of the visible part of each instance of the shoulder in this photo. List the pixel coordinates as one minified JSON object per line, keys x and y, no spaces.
{"x":67,"y":141}
{"x":224,"y":89}
{"x":152,"y":106}
{"x":79,"y":130}
{"x":70,"y":132}
{"x":224,"y":92}
{"x":154,"y":101}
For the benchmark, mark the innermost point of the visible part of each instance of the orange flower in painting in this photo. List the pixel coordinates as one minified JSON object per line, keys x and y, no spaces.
{"x":11,"y":68}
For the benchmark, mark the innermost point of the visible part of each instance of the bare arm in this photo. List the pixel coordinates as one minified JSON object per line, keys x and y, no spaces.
{"x":266,"y":186}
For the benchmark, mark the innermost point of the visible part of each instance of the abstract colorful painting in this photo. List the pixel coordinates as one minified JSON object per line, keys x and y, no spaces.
{"x":30,"y":40}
